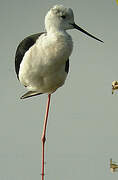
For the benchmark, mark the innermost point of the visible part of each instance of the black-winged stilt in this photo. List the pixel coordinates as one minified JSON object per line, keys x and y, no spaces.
{"x":42,"y":60}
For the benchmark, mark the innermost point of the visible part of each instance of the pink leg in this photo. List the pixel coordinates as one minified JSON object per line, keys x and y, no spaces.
{"x":44,"y":132}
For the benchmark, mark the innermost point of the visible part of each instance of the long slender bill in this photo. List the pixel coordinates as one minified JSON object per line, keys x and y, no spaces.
{"x":82,"y":30}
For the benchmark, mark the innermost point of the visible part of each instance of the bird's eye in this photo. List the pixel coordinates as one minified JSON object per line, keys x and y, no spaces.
{"x":63,"y":17}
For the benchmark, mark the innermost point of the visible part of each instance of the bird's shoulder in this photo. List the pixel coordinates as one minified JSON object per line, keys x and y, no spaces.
{"x":23,"y":47}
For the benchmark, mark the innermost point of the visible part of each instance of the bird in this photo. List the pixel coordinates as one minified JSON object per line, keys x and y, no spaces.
{"x":42,"y":59}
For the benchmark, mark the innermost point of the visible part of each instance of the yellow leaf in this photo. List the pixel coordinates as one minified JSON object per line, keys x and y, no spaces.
{"x":117,"y":2}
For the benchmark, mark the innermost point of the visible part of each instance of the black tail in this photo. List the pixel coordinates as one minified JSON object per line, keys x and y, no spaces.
{"x":30,"y":94}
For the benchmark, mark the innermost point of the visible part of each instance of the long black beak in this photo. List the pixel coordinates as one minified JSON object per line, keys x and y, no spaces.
{"x":82,"y":30}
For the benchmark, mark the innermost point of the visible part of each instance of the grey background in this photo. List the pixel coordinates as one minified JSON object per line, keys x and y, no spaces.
{"x":82,"y":130}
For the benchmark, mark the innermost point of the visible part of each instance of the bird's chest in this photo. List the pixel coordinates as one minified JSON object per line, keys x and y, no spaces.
{"x":61,"y":48}
{"x":54,"y":50}
{"x":47,"y":56}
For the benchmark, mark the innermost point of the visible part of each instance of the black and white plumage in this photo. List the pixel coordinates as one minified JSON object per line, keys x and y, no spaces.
{"x":42,"y":60}
{"x":23,"y":48}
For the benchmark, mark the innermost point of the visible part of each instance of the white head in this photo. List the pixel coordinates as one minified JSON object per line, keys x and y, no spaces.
{"x":61,"y":18}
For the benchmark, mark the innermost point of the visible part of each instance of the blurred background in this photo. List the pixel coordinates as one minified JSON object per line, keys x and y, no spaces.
{"x":82,"y":132}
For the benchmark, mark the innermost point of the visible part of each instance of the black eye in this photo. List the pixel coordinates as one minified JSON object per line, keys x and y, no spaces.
{"x":63,"y":17}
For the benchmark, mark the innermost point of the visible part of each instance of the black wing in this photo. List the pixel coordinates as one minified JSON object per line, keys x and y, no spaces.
{"x":22,"y":48}
{"x":67,"y":66}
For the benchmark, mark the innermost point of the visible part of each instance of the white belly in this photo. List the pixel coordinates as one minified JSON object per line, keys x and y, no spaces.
{"x":46,"y":81}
